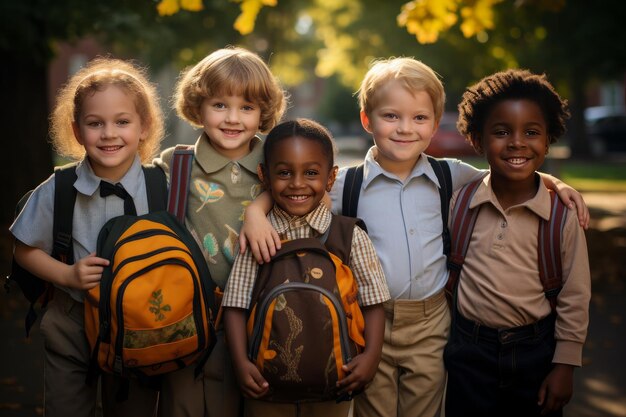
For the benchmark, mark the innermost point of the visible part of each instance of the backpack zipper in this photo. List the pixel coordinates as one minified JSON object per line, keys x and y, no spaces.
{"x":142,"y":235}
{"x":118,"y":362}
{"x":104,"y":307}
{"x":293,"y":286}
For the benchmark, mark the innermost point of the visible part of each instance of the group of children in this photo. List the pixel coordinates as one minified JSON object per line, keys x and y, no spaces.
{"x":107,"y":116}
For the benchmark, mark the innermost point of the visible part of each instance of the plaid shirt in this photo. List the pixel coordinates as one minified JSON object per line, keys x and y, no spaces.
{"x":364,"y":263}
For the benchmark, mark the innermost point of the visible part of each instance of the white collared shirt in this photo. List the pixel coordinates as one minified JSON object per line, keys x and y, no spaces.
{"x":403,"y":220}
{"x":33,"y":226}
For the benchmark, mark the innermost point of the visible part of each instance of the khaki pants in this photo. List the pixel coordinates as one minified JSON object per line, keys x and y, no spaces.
{"x":255,"y":408}
{"x":410,"y":379}
{"x":216,"y":394}
{"x":66,"y":361}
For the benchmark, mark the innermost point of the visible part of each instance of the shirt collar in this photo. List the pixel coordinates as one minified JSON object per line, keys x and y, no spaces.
{"x":319,"y":219}
{"x":87,"y":182}
{"x":212,"y":161}
{"x":539,"y":204}
{"x":372,"y":169}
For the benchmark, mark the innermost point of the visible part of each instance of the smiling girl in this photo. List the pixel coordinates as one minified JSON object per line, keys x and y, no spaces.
{"x":108,"y":118}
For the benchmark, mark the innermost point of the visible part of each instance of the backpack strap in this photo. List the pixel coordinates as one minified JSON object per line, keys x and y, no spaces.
{"x":442,"y":171}
{"x":549,"y":250}
{"x":64,"y":199}
{"x":463,"y":221}
{"x":180,"y":176}
{"x":548,"y":245}
{"x":34,"y":288}
{"x":352,"y":190}
{"x":62,"y":222}
{"x":156,"y":187}
{"x":338,"y":236}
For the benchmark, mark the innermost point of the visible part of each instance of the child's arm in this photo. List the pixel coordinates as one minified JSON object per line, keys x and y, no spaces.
{"x":257,"y":231}
{"x":569,"y":196}
{"x":83,"y":275}
{"x":251,"y":382}
{"x":362,"y":368}
{"x":556,"y":390}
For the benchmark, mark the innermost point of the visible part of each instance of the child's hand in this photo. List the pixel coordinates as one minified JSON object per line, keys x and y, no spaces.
{"x":556,"y":390}
{"x":258,"y":233}
{"x":251,"y":382}
{"x":360,"y":370}
{"x":573,"y":199}
{"x":86,"y":273}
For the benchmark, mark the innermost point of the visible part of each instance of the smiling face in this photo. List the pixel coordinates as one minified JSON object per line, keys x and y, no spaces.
{"x":402,"y":124}
{"x":515,"y":141}
{"x":109,"y":127}
{"x":298,"y":173}
{"x":230,"y":122}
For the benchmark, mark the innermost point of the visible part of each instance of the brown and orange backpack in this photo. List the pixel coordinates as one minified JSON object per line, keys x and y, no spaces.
{"x":305,"y":322}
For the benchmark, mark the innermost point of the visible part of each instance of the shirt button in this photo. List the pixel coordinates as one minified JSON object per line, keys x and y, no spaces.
{"x":411,"y":231}
{"x":235,"y":173}
{"x":503,"y":224}
{"x":500,"y":236}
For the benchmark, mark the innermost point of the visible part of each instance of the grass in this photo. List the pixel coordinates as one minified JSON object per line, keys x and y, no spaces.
{"x":595,"y":176}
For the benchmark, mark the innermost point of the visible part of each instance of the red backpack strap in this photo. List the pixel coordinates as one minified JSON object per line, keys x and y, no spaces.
{"x":549,"y":250}
{"x":463,"y":221}
{"x":180,"y":175}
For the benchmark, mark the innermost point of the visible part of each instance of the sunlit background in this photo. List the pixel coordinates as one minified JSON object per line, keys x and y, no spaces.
{"x":320,"y":50}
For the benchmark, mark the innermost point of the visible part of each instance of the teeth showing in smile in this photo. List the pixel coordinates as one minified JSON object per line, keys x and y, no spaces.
{"x":230,"y":132}
{"x":110,"y":148}
{"x":516,"y":161}
{"x":298,"y":197}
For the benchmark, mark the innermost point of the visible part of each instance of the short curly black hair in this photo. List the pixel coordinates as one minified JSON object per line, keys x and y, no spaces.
{"x":479,"y":99}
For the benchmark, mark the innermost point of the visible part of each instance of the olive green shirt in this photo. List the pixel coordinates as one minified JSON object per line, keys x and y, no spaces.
{"x":219,"y":191}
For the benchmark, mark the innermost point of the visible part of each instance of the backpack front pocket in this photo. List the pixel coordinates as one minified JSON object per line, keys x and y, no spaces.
{"x":297,"y":363}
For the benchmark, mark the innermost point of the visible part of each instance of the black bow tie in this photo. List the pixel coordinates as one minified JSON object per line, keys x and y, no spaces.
{"x":106,"y":189}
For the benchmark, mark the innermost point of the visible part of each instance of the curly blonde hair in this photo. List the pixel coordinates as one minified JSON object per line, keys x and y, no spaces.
{"x":230,"y":71}
{"x":96,"y":76}
{"x":414,"y":75}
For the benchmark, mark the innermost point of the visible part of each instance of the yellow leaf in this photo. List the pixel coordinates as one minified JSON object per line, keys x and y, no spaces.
{"x":168,"y":7}
{"x":477,"y":17}
{"x":249,"y":11}
{"x":427,"y":18}
{"x":191,"y":5}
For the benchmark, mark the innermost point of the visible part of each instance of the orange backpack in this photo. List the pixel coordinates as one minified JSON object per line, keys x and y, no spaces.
{"x":305,"y":322}
{"x":152,"y":312}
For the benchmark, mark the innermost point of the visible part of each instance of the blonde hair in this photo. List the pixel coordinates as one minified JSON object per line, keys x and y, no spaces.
{"x":414,"y":75}
{"x":96,"y":76}
{"x":230,"y":71}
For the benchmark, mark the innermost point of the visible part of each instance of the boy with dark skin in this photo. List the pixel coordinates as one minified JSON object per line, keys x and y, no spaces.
{"x":512,"y":118}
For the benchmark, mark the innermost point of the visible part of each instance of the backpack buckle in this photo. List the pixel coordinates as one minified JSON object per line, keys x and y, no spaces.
{"x":63,"y":240}
{"x":553,"y":292}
